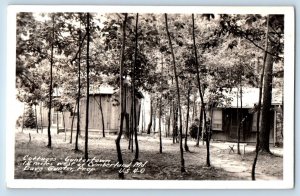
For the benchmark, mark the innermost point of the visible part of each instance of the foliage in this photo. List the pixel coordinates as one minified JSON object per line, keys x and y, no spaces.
{"x":29,"y":118}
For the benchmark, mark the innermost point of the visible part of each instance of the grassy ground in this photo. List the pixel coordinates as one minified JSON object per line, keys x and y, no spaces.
{"x":165,"y":166}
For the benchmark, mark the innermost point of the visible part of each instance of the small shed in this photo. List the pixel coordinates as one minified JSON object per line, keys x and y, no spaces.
{"x":109,"y":99}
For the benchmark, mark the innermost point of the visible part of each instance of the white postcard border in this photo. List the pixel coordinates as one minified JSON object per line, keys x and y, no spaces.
{"x":289,"y":49}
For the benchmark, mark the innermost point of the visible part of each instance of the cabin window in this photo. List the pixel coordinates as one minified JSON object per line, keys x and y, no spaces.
{"x":217,"y":120}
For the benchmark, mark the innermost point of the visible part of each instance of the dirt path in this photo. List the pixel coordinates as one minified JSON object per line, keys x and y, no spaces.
{"x":241,"y":165}
{"x":165,"y":166}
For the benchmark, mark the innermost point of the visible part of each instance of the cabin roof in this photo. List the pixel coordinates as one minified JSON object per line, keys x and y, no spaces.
{"x":250,"y":97}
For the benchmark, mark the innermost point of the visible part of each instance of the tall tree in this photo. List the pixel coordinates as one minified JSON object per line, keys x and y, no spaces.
{"x":87,"y":86}
{"x":151,"y":113}
{"x":178,"y":94}
{"x":186,"y":147}
{"x":122,"y":107}
{"x":275,"y":25}
{"x":50,"y":86}
{"x":259,"y":103}
{"x":201,"y":94}
{"x":80,"y":41}
{"x":136,"y":156}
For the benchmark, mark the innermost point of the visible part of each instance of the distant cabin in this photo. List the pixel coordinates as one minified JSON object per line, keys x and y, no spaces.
{"x":110,"y":106}
{"x":226,"y":119}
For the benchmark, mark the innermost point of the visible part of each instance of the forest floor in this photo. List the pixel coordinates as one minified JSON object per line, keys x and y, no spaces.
{"x":33,"y":160}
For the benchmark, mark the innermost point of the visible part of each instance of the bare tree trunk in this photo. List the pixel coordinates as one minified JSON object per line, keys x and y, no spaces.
{"x":160,"y":114}
{"x":36,"y":119}
{"x":128,"y":128}
{"x":79,"y":88}
{"x":41,"y":114}
{"x":175,"y":122}
{"x":194,"y":108}
{"x":119,"y":152}
{"x":154,"y":118}
{"x":151,"y":113}
{"x":130,"y":133}
{"x":186,"y":147}
{"x":160,"y":108}
{"x":169,"y":122}
{"x":143,"y":117}
{"x":64,"y":123}
{"x":50,"y":87}
{"x":87,"y":88}
{"x":259,"y":103}
{"x":136,"y":157}
{"x":237,"y":120}
{"x":23,"y":118}
{"x":201,"y":94}
{"x":72,"y":124}
{"x":241,"y":122}
{"x":178,"y":95}
{"x":79,"y":94}
{"x":267,"y":103}
{"x":57,"y":123}
{"x":199,"y":127}
{"x":102,"y":117}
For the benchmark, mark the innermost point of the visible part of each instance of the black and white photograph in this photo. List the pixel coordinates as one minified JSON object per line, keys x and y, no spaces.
{"x":184,"y":97}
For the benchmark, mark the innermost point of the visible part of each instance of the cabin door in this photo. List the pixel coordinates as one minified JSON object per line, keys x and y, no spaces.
{"x":234,"y":125}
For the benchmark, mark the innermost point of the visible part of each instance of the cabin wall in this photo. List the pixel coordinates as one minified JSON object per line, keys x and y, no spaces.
{"x":111,"y":114}
{"x":230,"y":123}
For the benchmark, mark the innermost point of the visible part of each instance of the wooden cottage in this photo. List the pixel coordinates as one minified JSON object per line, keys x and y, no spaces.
{"x":226,"y":119}
{"x":110,"y":107}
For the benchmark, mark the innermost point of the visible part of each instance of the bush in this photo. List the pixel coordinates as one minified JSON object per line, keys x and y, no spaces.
{"x":29,"y":119}
{"x":194,"y":130}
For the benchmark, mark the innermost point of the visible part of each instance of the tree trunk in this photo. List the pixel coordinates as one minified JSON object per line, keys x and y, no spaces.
{"x":175,"y":122}
{"x":151,"y":113}
{"x":160,"y":107}
{"x":50,"y":86}
{"x":200,"y":130}
{"x":237,"y":121}
{"x":259,"y":103}
{"x":194,"y":108}
{"x":127,"y":128}
{"x":64,"y":124}
{"x":186,"y":147}
{"x":154,"y":118}
{"x":266,"y":105}
{"x":72,"y":124}
{"x":136,"y":157}
{"x":160,"y":114}
{"x":143,"y":116}
{"x":169,"y":122}
{"x":36,"y":119}
{"x":57,"y":123}
{"x":201,"y":95}
{"x":178,"y":95}
{"x":241,"y":123}
{"x":79,"y":93}
{"x":102,"y":117}
{"x":41,"y":114}
{"x":87,"y":88}
{"x":23,"y":119}
{"x":119,"y":152}
{"x":130,"y":133}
